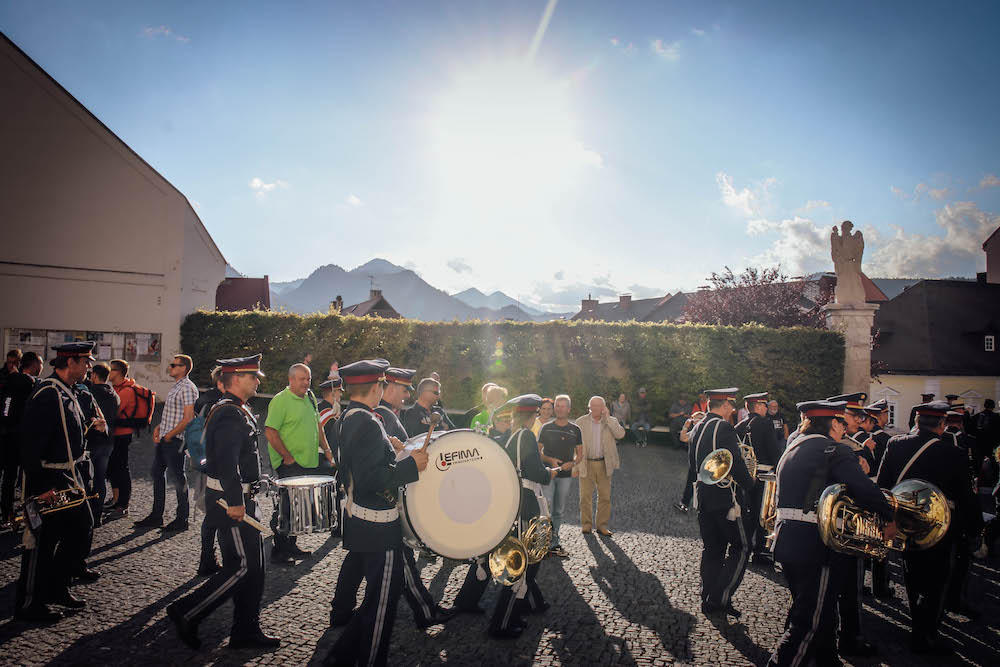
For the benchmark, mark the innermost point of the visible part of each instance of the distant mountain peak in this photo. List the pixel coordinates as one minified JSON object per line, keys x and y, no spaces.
{"x":377,"y":267}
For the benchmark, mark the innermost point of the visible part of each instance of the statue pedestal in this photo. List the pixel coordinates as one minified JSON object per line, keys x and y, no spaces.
{"x":855,"y":321}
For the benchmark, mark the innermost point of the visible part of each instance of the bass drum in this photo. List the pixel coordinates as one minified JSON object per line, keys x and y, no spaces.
{"x":467,"y":499}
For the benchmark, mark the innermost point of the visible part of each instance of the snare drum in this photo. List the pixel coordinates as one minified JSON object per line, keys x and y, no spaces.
{"x":467,"y":499}
{"x":306,"y":504}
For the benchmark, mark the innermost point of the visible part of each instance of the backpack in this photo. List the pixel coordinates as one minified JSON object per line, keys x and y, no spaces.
{"x":142,"y":413}
{"x":194,"y":440}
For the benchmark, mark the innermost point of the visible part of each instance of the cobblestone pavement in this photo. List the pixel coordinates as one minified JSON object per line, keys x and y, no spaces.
{"x":631,"y":599}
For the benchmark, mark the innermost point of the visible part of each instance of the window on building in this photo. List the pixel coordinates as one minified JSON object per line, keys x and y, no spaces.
{"x":892,"y":415}
{"x":990,"y":344}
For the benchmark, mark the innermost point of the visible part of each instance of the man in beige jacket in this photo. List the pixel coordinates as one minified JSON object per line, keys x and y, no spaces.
{"x":600,"y":433}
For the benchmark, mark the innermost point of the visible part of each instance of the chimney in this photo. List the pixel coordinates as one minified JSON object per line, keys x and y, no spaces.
{"x":337,"y":305}
{"x":624,"y":301}
{"x":374,"y":293}
{"x":587,"y":305}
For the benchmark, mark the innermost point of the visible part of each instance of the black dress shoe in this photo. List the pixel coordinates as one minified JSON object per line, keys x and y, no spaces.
{"x":37,"y":613}
{"x":87,"y":576}
{"x":710,"y":608}
{"x":299,"y":553}
{"x":337,"y":620}
{"x":208,"y":569}
{"x":259,"y":640}
{"x":187,"y":631}
{"x":859,"y":648}
{"x":149,"y":522}
{"x":176,"y":526}
{"x":67,"y":600}
{"x":438,"y":616}
{"x":282,"y":558}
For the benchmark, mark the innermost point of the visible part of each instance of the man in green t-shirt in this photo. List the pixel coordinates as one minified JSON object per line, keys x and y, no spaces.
{"x":294,"y":438}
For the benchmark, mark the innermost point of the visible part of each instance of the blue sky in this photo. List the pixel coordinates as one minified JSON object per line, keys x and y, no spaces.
{"x":637,"y":147}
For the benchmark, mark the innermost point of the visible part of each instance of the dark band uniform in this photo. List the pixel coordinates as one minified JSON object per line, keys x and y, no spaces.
{"x":232,"y":467}
{"x":926,"y":398}
{"x":372,"y":531}
{"x":52,"y":458}
{"x":925,"y":572}
{"x":425,"y":611}
{"x":880,"y":437}
{"x":956,"y":598}
{"x":758,"y":432}
{"x":810,"y":464}
{"x":720,"y":521}
{"x":881,"y":587}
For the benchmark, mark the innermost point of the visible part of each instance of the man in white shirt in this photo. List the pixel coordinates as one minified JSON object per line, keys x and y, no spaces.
{"x":600,"y":433}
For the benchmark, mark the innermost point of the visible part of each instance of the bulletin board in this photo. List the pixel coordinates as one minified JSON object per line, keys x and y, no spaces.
{"x":130,"y":346}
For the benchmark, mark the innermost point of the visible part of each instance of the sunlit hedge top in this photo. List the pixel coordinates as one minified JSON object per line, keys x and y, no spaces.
{"x":581,"y":359}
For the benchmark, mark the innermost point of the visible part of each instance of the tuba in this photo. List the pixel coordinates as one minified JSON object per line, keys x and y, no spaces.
{"x":508,"y":561}
{"x":716,"y":469}
{"x":922,"y":516}
{"x":769,"y":507}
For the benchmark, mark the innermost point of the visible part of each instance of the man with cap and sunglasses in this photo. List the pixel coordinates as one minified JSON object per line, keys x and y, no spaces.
{"x":372,"y":531}
{"x":52,"y":450}
{"x":720,"y":513}
{"x":812,"y":462}
{"x":758,"y":432}
{"x":232,"y":467}
{"x":926,"y":456}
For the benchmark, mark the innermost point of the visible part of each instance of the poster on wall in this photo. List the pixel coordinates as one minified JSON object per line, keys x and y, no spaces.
{"x":141,"y":347}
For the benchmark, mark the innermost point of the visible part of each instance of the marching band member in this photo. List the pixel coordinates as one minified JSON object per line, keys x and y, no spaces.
{"x":812,"y":462}
{"x":879,"y":412}
{"x":758,"y":432}
{"x":924,"y":455}
{"x":372,"y":532}
{"x":232,"y":466}
{"x":720,"y":519}
{"x":52,"y":453}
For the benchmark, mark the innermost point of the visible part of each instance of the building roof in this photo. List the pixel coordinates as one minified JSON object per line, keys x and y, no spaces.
{"x":669,"y":309}
{"x":243,"y":294}
{"x":376,"y":306}
{"x":937,"y":327}
{"x":990,"y":237}
{"x":69,"y":96}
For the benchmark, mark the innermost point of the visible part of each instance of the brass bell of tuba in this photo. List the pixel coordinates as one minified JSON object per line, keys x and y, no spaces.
{"x":508,"y":561}
{"x":922,"y":517}
{"x":537,"y":539}
{"x":717,"y":467}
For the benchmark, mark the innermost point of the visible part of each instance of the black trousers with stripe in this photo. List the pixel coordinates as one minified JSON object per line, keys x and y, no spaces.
{"x":366,"y":638}
{"x":849,"y":598}
{"x":62,"y":544}
{"x":723,"y":557}
{"x":810,"y":630}
{"x":927,"y":575}
{"x":241,"y":576}
{"x":533,"y":600}
{"x":473,"y":588}
{"x":345,"y":596}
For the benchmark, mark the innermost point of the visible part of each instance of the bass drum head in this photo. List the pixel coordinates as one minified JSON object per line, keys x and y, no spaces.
{"x":467,"y":499}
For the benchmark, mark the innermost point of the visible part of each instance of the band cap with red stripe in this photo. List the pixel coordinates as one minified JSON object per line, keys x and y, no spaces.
{"x":332,"y":384}
{"x":728,"y":394}
{"x":78,"y":350}
{"x":242,"y":365}
{"x":364,"y":371}
{"x":933,"y":409}
{"x":524,"y":403}
{"x":855,"y":402}
{"x":956,"y":417}
{"x":402,"y":376}
{"x":813,"y":409}
{"x":756,"y":398}
{"x":878,"y":407}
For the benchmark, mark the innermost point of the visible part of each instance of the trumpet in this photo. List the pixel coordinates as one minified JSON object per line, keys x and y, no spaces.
{"x":64,"y":500}
{"x":717,"y":468}
{"x":922,"y":516}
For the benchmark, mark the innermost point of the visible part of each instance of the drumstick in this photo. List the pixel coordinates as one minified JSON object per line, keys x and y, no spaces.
{"x":435,"y":419}
{"x":252,"y":522}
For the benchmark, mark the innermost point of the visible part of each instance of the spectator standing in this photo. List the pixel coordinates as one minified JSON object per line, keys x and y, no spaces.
{"x":677,"y":416}
{"x":544,"y":416}
{"x":600,"y":432}
{"x":701,"y":405}
{"x":100,"y":444}
{"x":493,"y":397}
{"x":641,"y":425}
{"x":561,"y":445}
{"x":119,"y":474}
{"x":685,"y":437}
{"x":416,"y":419}
{"x":294,"y":438}
{"x":779,"y":423}
{"x":440,"y":409}
{"x":14,"y":395}
{"x":10,"y":366}
{"x":621,"y":410}
{"x":168,"y":443}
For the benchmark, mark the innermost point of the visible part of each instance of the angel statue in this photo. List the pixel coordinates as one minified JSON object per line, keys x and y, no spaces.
{"x":846,"y":249}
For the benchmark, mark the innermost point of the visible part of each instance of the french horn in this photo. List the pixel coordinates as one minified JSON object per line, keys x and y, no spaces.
{"x":508,"y":561}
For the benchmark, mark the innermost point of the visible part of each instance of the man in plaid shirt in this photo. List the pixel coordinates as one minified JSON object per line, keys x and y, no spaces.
{"x":168,"y":439}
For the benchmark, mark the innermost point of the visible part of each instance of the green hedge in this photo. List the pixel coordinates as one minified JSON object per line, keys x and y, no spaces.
{"x":578,"y":358}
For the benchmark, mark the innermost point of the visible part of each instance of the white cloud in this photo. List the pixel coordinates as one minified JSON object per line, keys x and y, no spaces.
{"x":668,"y":51}
{"x":988,"y":181}
{"x":746,"y":201}
{"x":559,"y":275}
{"x":164,"y":31}
{"x":458,"y":265}
{"x":261,"y":188}
{"x":698,"y":32}
{"x":816,"y":203}
{"x":619,"y":45}
{"x":614,"y":41}
{"x":920,"y":191}
{"x":355,"y":201}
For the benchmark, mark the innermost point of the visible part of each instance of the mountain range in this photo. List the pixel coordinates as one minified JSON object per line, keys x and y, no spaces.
{"x":409,"y":294}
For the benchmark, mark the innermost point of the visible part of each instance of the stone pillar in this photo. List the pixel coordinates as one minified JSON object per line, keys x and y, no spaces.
{"x":855,"y":321}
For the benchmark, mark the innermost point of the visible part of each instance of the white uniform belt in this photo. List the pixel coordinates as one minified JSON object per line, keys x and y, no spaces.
{"x":373,"y":516}
{"x":65,"y":465}
{"x":216,"y":485}
{"x":764,"y":467}
{"x":792,"y":514}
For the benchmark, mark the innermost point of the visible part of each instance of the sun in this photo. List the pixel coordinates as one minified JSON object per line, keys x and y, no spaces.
{"x":503,"y":132}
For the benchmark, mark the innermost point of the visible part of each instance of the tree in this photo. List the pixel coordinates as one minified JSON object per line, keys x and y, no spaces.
{"x":763,"y":296}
